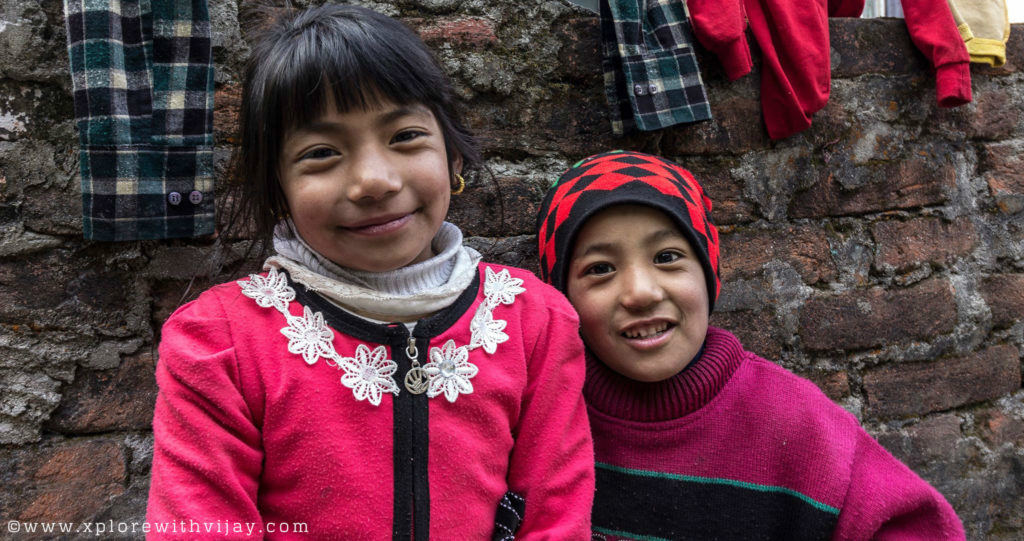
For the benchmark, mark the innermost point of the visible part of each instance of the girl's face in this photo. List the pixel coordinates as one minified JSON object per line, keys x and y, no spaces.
{"x":368,"y":189}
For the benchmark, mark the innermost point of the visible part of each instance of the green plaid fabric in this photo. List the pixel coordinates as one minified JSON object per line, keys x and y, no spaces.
{"x":142,"y":76}
{"x":651,"y":76}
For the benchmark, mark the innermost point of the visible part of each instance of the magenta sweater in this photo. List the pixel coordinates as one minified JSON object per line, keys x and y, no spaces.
{"x":247,"y":432}
{"x":736,"y":447}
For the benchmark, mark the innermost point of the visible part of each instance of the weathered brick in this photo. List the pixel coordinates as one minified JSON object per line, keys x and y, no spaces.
{"x":228,"y":103}
{"x":732,"y":129}
{"x":105,"y":400}
{"x":69,"y":481}
{"x":933,"y":439}
{"x":729,"y":205}
{"x":922,"y":240}
{"x":918,"y":388}
{"x":919,"y":180}
{"x":580,"y":55}
{"x":754,"y":329}
{"x":862,"y":46}
{"x":861,"y":319}
{"x":835,"y":385}
{"x":805,"y":248}
{"x":462,"y":32}
{"x":997,"y":428}
{"x":1003,"y":167}
{"x":1004,"y":294}
{"x":518,"y":251}
{"x":568,"y":124}
{"x":995,"y":116}
{"x":491,"y":208}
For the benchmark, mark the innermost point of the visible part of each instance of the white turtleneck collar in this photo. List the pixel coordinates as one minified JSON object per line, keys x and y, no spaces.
{"x":410,"y":291}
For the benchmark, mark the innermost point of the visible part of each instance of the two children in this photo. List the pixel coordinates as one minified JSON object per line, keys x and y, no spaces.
{"x":694,"y":437}
{"x":377,"y":381}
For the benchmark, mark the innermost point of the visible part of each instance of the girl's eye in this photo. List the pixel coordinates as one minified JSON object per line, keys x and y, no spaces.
{"x":599,"y":269}
{"x":407,"y":135}
{"x":319,"y":154}
{"x":668,"y":256}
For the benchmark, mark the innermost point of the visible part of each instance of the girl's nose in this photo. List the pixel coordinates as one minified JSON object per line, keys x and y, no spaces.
{"x":640,"y":289}
{"x":371,"y":177}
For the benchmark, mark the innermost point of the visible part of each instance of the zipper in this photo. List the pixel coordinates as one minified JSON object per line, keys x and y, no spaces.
{"x":411,"y":442}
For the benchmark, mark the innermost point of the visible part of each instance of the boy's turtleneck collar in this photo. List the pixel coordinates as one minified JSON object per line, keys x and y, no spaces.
{"x":618,"y":396}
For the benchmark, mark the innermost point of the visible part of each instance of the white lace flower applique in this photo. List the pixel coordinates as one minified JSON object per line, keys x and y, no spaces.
{"x":449,"y":371}
{"x":485,"y":331}
{"x":501,"y":287}
{"x":369,"y":373}
{"x":309,"y":336}
{"x":270,"y":291}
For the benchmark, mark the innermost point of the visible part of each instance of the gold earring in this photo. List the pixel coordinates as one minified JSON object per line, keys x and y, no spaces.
{"x":462,"y":184}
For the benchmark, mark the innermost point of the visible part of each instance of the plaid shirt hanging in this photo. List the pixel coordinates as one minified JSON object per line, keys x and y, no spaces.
{"x":142,"y":76}
{"x":651,"y":76}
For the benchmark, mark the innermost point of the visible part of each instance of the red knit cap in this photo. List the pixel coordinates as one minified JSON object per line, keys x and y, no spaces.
{"x":618,"y":178}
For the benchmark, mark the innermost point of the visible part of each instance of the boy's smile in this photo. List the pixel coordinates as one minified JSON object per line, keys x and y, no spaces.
{"x":640,"y":292}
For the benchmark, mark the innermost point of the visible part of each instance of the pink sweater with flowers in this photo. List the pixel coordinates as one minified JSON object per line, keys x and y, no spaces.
{"x":248,"y":432}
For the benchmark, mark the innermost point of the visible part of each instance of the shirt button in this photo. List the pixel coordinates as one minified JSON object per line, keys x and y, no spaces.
{"x":653,"y":88}
{"x":195,"y":197}
{"x":174,"y":198}
{"x":639,"y":90}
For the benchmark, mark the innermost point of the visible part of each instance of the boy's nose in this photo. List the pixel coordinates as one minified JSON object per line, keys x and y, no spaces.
{"x":639,"y":290}
{"x":371,"y":177}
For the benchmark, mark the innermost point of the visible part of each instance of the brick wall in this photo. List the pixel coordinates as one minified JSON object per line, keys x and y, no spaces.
{"x":880,"y":253}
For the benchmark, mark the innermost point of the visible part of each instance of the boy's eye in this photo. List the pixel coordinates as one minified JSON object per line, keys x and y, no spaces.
{"x":599,"y":269}
{"x":668,"y":256}
{"x":407,"y":135}
{"x":319,"y":154}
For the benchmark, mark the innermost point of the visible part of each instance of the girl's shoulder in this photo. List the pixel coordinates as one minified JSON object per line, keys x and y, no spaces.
{"x":225,"y":300}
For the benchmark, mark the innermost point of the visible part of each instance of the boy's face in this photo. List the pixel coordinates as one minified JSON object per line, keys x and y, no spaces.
{"x":640,"y":292}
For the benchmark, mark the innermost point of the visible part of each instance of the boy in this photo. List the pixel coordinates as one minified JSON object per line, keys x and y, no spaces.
{"x":694,"y":437}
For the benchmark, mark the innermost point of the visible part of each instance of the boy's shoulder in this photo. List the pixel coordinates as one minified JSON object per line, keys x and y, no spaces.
{"x":786,"y":400}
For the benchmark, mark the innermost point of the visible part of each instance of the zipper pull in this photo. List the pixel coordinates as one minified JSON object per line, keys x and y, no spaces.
{"x":416,"y":380}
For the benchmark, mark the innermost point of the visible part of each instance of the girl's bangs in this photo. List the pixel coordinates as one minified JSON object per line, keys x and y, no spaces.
{"x":356,"y":75}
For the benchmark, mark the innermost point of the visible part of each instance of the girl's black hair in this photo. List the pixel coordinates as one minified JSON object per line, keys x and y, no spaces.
{"x":349,"y":54}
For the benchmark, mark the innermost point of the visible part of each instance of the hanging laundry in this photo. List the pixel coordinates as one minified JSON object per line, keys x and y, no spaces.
{"x":142,"y":77}
{"x":720,"y":26}
{"x":796,"y":70}
{"x":985,"y":28}
{"x":651,"y":75}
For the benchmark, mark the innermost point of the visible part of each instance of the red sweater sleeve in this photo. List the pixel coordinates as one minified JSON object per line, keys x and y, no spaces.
{"x":207,"y":453}
{"x":720,"y":26}
{"x":934,"y":32}
{"x":886,"y":500}
{"x":552,"y":463}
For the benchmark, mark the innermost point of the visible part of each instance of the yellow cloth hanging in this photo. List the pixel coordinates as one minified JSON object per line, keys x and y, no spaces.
{"x":985,"y":27}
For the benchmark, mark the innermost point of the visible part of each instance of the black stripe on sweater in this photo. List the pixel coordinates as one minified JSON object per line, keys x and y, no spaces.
{"x":649,"y":505}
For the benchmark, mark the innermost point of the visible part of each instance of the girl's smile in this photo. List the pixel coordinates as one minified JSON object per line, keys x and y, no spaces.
{"x":368,"y":188}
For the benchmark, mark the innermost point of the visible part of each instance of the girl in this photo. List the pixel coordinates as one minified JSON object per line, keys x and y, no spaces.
{"x":377,"y":380}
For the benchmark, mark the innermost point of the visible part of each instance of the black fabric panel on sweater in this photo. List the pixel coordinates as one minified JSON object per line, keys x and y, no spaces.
{"x":637,"y":505}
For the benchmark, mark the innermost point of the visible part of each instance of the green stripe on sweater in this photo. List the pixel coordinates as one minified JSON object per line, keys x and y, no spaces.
{"x":718,"y":481}
{"x":628,"y":535}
